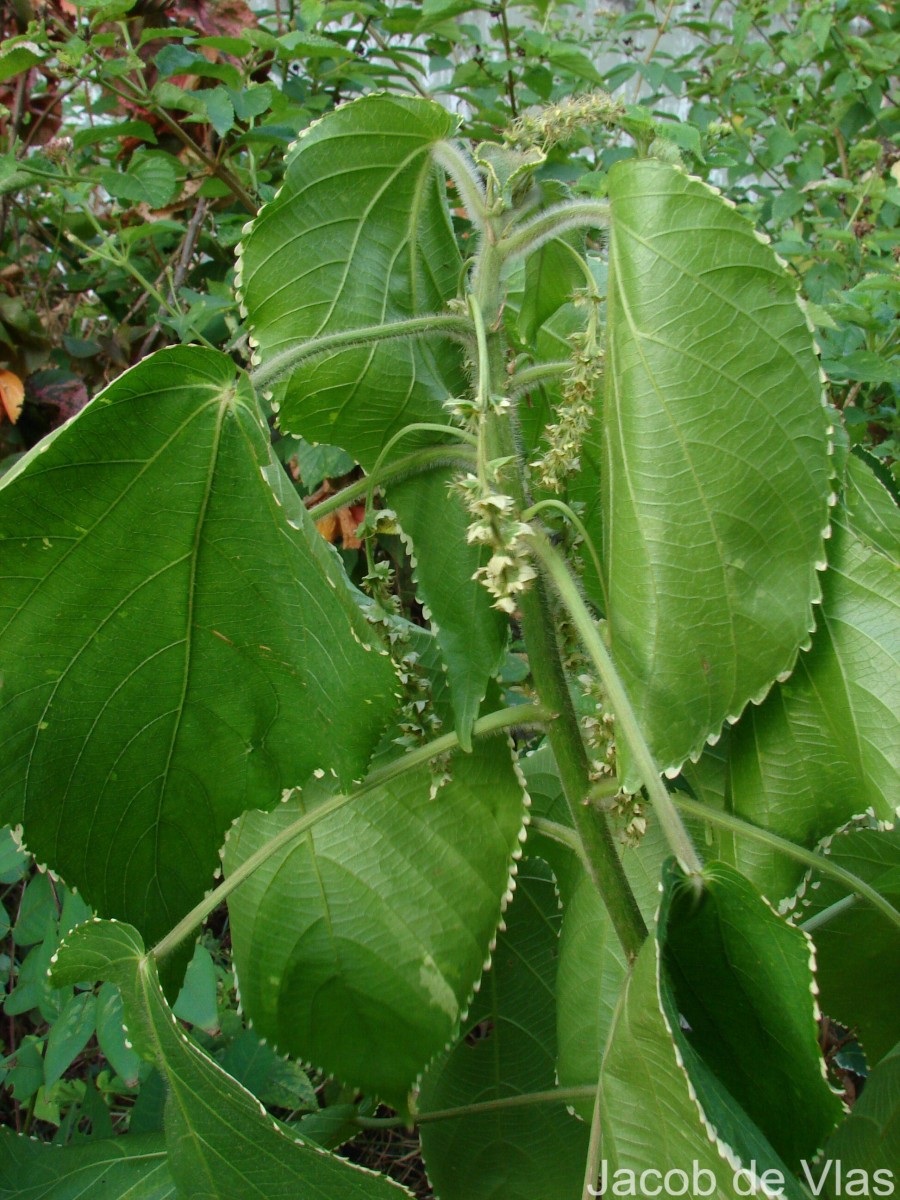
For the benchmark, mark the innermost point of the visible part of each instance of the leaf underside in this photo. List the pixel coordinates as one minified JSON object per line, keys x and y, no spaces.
{"x":131,"y":1168}
{"x":203,"y":644}
{"x":359,"y":235}
{"x":357,"y":946}
{"x":715,"y":472}
{"x":824,"y":747}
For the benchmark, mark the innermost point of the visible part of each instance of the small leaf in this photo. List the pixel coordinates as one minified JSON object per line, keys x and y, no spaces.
{"x":111,"y":1035}
{"x":69,"y":1034}
{"x":12,"y":396}
{"x":197,"y":1002}
{"x":19,"y":57}
{"x":151,"y":178}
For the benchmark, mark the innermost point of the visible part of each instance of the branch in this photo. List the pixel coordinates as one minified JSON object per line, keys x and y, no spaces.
{"x":285,"y":361}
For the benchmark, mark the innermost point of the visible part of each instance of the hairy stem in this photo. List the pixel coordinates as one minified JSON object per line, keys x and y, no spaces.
{"x":416,"y":463}
{"x":561,"y":507}
{"x":274,"y":369}
{"x":598,"y":850}
{"x":549,"y":224}
{"x":673,"y":827}
{"x":505,"y":718}
{"x":462,"y":170}
{"x":819,"y":862}
{"x":530,"y":377}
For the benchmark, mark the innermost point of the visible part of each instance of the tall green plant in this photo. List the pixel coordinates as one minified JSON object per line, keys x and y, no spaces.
{"x":640,"y":478}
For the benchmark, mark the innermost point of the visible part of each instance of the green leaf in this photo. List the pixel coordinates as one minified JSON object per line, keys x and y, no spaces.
{"x":871,"y":510}
{"x":124,"y":1168}
{"x":19,"y":57}
{"x":713,"y":1058}
{"x":210,"y":646}
{"x":869,"y":1140}
{"x":111,"y":1035}
{"x":357,"y":946}
{"x":358,"y":234}
{"x":552,"y":274}
{"x":857,"y":949}
{"x":364,"y":216}
{"x":825,"y":745}
{"x":275,"y":1080}
{"x":648,"y":1114}
{"x":69,"y":1034}
{"x":715,"y":471}
{"x":471,"y":634}
{"x":738,"y":988}
{"x":218,"y":107}
{"x":507,"y":1048}
{"x":197,"y":1002}
{"x":151,"y":178}
{"x":222,"y":1145}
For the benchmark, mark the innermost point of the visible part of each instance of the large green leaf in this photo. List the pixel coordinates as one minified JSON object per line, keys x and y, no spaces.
{"x":507,"y":1047}
{"x":123,"y":1168}
{"x":857,"y":949}
{"x":715,"y":472}
{"x":825,"y":745}
{"x":357,"y":945}
{"x":713,"y":1054}
{"x":222,"y":1145}
{"x":869,"y":1140}
{"x":177,"y":642}
{"x":358,"y":235}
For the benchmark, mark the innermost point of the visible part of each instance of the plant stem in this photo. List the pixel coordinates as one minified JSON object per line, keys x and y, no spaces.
{"x":819,"y":862}
{"x":279,"y":365}
{"x":536,"y":376}
{"x":829,"y":913}
{"x":562,"y":507}
{"x":592,"y":1165}
{"x":598,"y":851}
{"x":552,"y":1096}
{"x":495,"y":722}
{"x":549,"y":224}
{"x":563,"y":834}
{"x":416,"y":427}
{"x":462,"y":170}
{"x":672,"y":825}
{"x":416,"y":463}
